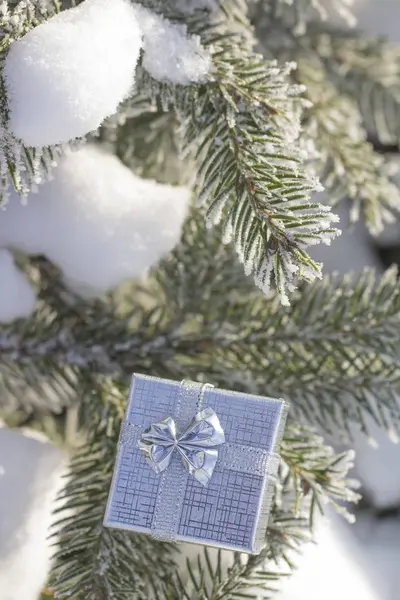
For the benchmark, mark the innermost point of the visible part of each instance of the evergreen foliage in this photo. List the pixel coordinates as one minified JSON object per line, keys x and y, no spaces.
{"x":21,"y":167}
{"x":253,"y":140}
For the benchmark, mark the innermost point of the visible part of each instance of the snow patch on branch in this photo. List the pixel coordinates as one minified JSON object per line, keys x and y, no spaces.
{"x":64,"y":77}
{"x":169,"y":53}
{"x":17,"y":298}
{"x":97,"y":221}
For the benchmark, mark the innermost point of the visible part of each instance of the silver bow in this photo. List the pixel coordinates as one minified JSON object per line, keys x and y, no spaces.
{"x":196,"y":445}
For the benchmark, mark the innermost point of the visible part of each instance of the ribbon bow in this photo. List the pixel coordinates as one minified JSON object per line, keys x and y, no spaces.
{"x":196,"y":445}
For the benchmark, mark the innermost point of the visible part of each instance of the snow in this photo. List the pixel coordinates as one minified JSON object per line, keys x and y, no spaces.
{"x":380,"y":541}
{"x":169,"y":53}
{"x":17,"y":298}
{"x":64,"y":77}
{"x":31,"y":478}
{"x":335,"y":567}
{"x":97,"y":221}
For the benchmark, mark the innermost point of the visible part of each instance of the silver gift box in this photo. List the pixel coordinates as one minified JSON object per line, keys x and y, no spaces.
{"x":196,"y":464}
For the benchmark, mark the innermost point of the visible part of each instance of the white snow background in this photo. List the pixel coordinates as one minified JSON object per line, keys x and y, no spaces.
{"x":351,"y":562}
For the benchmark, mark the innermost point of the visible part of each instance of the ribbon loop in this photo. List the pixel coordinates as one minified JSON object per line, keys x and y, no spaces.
{"x":196,"y":445}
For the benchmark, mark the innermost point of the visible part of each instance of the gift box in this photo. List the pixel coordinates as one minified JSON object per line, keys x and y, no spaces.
{"x":196,"y":464}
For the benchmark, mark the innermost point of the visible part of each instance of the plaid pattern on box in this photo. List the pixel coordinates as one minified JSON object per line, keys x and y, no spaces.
{"x":232,"y":510}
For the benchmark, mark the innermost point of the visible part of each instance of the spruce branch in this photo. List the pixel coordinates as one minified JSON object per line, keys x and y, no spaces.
{"x":242,"y":129}
{"x":368,"y":70}
{"x":347,"y":163}
{"x":298,"y":16}
{"x":352,"y":86}
{"x":21,"y":167}
{"x":315,"y":470}
{"x":148,"y":144}
{"x":333,"y":354}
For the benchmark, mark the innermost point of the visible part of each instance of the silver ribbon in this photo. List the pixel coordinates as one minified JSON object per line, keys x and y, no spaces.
{"x":196,"y":445}
{"x":172,"y":487}
{"x":234,"y":457}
